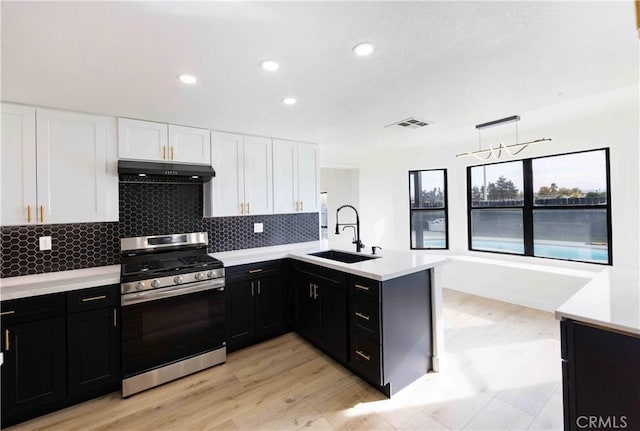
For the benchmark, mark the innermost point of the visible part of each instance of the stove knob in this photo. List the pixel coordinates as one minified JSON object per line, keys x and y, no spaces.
{"x":199,"y":276}
{"x":155,"y":283}
{"x":140,"y":285}
{"x":178,"y":279}
{"x":211,"y":274}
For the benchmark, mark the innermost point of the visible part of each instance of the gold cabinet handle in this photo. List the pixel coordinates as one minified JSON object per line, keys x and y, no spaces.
{"x":164,"y":152}
{"x":258,"y":287}
{"x":28,"y":213}
{"x":297,"y":206}
{"x":361,"y":287}
{"x":115,"y":317}
{"x":242,"y":208}
{"x":255,"y":271}
{"x":172,"y":152}
{"x":361,"y":354}
{"x":94,"y":298}
{"x":6,"y":340}
{"x":362,"y":316}
{"x":248,"y":208}
{"x":6,"y":313}
{"x":301,"y":205}
{"x":41,"y":213}
{"x":252,"y":288}
{"x":310,"y":290}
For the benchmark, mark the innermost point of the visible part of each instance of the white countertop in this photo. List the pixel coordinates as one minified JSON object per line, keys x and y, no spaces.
{"x":610,"y":300}
{"x":54,"y":282}
{"x":390,"y":263}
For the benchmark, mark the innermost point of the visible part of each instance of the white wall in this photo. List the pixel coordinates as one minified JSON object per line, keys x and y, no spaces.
{"x":342,"y":187}
{"x":604,"y":120}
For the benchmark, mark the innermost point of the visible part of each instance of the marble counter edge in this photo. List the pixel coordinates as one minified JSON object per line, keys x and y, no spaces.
{"x":394,"y":267}
{"x":580,"y":306}
{"x":57,"y":282}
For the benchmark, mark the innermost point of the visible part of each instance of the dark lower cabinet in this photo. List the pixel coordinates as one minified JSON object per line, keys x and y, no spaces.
{"x":34,"y":347}
{"x":391,"y":329}
{"x":94,"y":353}
{"x":600,"y":378}
{"x":321,"y":308}
{"x":254,"y":304}
{"x":58,"y":349}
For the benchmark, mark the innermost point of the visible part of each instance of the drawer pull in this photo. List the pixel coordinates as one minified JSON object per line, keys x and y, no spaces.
{"x":94,"y":298}
{"x":254,"y":271}
{"x":362,"y":316}
{"x":361,"y":354}
{"x":6,"y":313}
{"x":361,"y":287}
{"x":6,"y":340}
{"x":252,"y":291}
{"x":115,"y":317}
{"x":258,"y":287}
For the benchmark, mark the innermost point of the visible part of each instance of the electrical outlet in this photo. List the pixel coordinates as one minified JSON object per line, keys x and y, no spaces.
{"x":45,"y":243}
{"x":258,"y":228}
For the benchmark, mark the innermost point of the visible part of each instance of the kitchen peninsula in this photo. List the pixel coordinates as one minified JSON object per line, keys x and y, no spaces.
{"x":380,"y":317}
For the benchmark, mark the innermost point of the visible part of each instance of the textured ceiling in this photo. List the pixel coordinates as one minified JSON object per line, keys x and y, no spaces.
{"x":455,"y":64}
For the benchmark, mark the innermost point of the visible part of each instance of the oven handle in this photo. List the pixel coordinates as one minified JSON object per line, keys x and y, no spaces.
{"x":152,"y":295}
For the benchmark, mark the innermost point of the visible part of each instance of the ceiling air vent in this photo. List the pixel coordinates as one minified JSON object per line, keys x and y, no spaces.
{"x":410,"y":123}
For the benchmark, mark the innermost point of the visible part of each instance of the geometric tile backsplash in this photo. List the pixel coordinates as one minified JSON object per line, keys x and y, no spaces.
{"x":145,"y":209}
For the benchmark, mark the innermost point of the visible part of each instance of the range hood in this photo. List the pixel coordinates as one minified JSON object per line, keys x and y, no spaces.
{"x":185,"y":172}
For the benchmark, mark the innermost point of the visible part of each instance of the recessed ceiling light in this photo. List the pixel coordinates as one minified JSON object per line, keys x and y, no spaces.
{"x":289,"y":101}
{"x":269,"y":65}
{"x":363,"y":49}
{"x":187,"y":79}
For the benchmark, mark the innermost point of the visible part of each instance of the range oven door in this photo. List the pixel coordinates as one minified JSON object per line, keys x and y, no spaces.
{"x":170,"y":325}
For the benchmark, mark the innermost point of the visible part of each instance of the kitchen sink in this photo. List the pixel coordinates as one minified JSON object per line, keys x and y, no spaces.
{"x":341,"y":256}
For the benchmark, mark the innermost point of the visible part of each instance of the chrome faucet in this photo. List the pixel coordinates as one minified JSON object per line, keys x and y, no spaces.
{"x":356,"y":239}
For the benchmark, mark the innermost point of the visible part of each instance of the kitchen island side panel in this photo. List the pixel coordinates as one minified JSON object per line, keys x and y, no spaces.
{"x":407,"y":335}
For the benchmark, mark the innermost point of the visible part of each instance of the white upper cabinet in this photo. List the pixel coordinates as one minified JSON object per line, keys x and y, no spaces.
{"x":18,"y":154}
{"x":159,"y":142}
{"x":68,"y":176}
{"x":295,"y":177}
{"x":243,"y":181}
{"x":142,"y":140}
{"x":258,"y":175}
{"x":189,"y":145}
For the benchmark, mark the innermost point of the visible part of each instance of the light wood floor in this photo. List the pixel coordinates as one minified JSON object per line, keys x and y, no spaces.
{"x":503,"y":372}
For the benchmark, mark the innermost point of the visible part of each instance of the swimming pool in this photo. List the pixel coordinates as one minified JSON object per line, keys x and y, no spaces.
{"x":583,"y":252}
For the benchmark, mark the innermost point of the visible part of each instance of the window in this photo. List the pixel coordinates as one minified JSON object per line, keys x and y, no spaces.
{"x":428,"y":209}
{"x":554,"y":207}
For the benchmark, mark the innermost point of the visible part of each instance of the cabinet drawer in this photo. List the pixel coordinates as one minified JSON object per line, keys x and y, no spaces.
{"x":252,"y":271}
{"x":93,"y":298}
{"x":365,"y":288}
{"x":365,"y":358}
{"x":365,"y":318}
{"x":33,"y":308}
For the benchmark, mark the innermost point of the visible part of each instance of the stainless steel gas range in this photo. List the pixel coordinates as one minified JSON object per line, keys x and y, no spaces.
{"x":172,"y":309}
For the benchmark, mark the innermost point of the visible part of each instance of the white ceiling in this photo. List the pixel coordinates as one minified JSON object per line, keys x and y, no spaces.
{"x":455,"y":64}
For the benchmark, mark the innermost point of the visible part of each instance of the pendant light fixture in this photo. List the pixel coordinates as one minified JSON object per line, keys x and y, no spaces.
{"x":495,"y":152}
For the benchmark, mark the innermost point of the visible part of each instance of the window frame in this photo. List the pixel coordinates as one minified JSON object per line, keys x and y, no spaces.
{"x":528,"y":207}
{"x":445,"y":208}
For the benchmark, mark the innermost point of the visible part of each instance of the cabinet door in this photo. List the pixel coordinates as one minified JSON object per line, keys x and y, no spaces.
{"x":34,"y":368}
{"x":142,"y":140}
{"x":258,"y":174}
{"x":333,"y":304}
{"x":307,"y":308}
{"x":285,"y":186}
{"x":269,"y":313}
{"x":94,"y":353}
{"x":240,"y":313}
{"x":18,"y":164}
{"x":308,"y":182}
{"x":224,"y":194}
{"x":73,"y":167}
{"x":189,"y":145}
